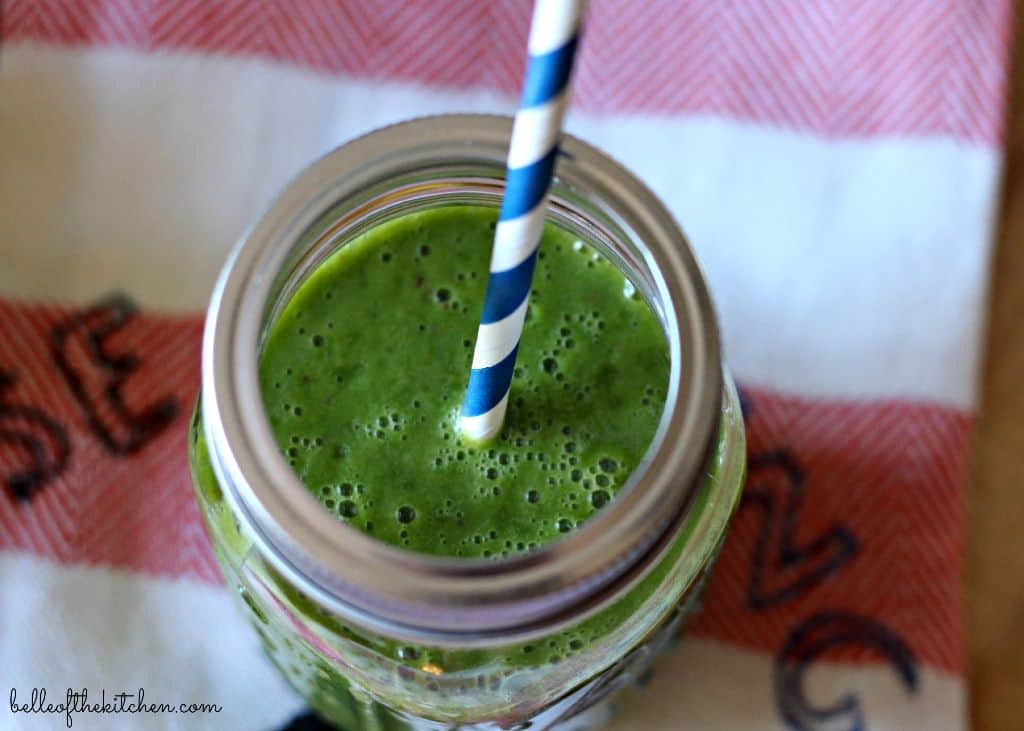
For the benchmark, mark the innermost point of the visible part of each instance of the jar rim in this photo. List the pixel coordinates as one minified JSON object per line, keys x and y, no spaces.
{"x":456,"y":600}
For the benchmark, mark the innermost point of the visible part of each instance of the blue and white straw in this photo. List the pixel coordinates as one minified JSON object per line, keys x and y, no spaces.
{"x":554,"y":32}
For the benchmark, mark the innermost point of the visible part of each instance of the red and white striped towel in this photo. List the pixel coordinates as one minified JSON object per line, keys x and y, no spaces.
{"x":834,"y":164}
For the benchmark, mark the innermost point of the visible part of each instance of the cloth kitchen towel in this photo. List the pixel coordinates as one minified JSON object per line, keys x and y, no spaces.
{"x":834,"y":163}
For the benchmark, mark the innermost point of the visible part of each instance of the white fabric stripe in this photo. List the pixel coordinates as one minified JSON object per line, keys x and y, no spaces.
{"x":97,"y":628}
{"x":852,"y":268}
{"x":698,"y":684}
{"x":484,"y":426}
{"x":494,"y":341}
{"x":554,"y":23}
{"x":516,"y":238}
{"x":537,"y":129}
{"x":184,"y":641}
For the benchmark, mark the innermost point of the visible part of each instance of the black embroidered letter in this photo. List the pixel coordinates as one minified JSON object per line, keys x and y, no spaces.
{"x":37,"y":436}
{"x":781,"y":569}
{"x":815,"y":637}
{"x":95,"y":377}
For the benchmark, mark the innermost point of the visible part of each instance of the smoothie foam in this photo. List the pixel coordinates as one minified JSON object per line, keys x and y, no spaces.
{"x":363,"y":372}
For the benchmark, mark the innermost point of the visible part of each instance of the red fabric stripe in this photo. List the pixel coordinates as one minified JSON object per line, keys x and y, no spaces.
{"x":873,"y":67}
{"x":134,"y":512}
{"x":889,"y":473}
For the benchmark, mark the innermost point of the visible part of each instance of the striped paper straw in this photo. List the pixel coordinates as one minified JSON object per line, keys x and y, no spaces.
{"x":554,"y":32}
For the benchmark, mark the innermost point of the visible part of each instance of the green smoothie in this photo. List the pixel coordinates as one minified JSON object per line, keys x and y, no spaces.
{"x":364,"y":371}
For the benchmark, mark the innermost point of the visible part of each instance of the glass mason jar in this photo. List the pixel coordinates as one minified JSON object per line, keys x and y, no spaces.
{"x":376,"y":637}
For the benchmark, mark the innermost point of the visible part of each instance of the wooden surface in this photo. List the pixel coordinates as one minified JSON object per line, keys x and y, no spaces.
{"x":995,"y":550}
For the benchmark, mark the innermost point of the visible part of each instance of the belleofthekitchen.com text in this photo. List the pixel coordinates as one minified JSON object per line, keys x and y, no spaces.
{"x":73,"y":702}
